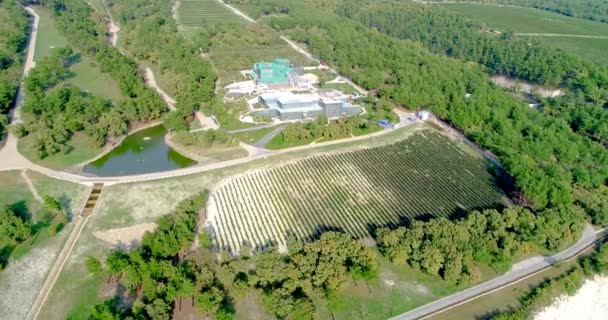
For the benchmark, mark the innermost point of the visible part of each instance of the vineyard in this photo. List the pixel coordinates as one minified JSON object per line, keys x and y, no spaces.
{"x":201,"y":13}
{"x":422,"y":176}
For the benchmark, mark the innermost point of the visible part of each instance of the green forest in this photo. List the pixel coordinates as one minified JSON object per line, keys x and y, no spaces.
{"x":547,"y":160}
{"x":55,"y":112}
{"x":14,"y":27}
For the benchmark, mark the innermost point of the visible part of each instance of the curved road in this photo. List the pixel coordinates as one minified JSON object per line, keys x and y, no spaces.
{"x":519,"y":271}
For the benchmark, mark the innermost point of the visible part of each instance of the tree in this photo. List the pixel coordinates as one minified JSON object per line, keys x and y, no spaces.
{"x":93,"y":265}
{"x":13,"y":229}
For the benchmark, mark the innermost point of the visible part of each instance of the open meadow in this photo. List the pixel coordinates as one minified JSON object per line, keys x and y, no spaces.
{"x":530,"y":20}
{"x":86,"y":73}
{"x":422,"y":176}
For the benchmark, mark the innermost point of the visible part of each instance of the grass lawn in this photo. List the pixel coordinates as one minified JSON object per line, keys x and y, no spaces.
{"x":15,"y":193}
{"x":87,"y":75}
{"x":251,"y":137}
{"x":81,"y":151}
{"x":530,"y":20}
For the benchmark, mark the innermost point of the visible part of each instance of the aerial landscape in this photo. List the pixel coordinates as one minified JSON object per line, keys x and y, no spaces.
{"x":303,"y":159}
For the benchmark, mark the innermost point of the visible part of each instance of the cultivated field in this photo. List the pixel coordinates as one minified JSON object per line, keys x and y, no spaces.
{"x":239,"y":44}
{"x":201,"y":13}
{"x":422,"y":176}
{"x":529,"y":20}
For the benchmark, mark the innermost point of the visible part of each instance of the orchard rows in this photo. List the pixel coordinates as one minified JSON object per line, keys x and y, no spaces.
{"x":420,"y":177}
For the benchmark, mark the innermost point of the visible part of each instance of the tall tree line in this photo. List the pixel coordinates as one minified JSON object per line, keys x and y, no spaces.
{"x":151,"y":34}
{"x":54,"y":111}
{"x":451,"y":34}
{"x":14,"y":30}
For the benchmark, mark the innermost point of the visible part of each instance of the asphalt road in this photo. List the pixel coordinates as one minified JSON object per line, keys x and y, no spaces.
{"x":519,"y":271}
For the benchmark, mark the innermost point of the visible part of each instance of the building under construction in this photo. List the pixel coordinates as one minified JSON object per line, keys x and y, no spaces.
{"x":288,"y":106}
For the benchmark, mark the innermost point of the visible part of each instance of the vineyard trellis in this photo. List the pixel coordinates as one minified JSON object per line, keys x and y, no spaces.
{"x":425,"y":175}
{"x":201,"y":13}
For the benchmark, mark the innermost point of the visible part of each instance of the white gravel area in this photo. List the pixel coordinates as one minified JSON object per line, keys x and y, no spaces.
{"x":589,"y":303}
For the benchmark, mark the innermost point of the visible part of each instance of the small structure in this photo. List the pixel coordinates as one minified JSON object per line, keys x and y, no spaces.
{"x":423,"y":115}
{"x":288,"y":106}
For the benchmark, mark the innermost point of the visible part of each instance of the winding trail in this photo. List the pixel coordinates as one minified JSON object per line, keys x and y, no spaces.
{"x":518,"y":272}
{"x":30,"y":186}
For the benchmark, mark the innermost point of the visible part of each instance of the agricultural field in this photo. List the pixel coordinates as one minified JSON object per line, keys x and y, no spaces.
{"x":529,"y":20}
{"x":231,"y":43}
{"x":202,"y":13}
{"x":423,"y":176}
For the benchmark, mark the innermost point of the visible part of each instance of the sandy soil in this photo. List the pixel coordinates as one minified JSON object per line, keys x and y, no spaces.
{"x":126,"y":238}
{"x":590,"y":302}
{"x":521,"y":86}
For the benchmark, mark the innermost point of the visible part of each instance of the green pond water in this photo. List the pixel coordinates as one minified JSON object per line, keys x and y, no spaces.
{"x":142,"y":152}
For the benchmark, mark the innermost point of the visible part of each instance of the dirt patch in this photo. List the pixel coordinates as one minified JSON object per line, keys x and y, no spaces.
{"x":125,"y":238}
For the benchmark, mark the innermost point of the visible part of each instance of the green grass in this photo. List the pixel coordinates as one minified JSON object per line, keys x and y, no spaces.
{"x":593,"y":49}
{"x":501,"y":300}
{"x":251,"y":137}
{"x":423,"y":176}
{"x":88,"y":77}
{"x":87,"y":74}
{"x":97,"y":5}
{"x":81,"y":151}
{"x":15,"y":193}
{"x":529,"y":20}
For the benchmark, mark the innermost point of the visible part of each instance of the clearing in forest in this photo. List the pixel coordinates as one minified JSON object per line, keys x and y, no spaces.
{"x":423,"y":176}
{"x":538,"y":22}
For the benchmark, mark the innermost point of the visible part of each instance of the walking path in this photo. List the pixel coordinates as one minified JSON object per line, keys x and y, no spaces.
{"x":519,"y":271}
{"x":265,"y":139}
{"x":30,"y":186}
{"x":64,"y":254}
{"x":15,"y":114}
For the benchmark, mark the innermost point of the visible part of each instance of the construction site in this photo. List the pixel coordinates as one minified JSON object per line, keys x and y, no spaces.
{"x":284,"y":92}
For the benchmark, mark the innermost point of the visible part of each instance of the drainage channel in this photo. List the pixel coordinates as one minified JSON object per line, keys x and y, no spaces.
{"x":92,"y":200}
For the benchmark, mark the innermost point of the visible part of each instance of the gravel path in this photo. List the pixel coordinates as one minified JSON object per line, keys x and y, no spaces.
{"x":30,"y":185}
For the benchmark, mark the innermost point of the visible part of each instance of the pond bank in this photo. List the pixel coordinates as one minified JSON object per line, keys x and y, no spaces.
{"x":142,"y":152}
{"x":208,"y":155}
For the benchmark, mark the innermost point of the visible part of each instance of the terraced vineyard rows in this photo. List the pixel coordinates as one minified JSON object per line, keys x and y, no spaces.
{"x":201,"y":13}
{"x":422,"y":176}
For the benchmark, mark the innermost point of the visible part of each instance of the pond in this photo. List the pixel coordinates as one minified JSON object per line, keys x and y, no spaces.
{"x":142,"y":152}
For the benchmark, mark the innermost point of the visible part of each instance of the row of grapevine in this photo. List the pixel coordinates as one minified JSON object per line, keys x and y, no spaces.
{"x":422,"y":176}
{"x":200,"y":13}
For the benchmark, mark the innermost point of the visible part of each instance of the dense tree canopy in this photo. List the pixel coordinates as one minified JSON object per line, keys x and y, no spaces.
{"x":13,"y":40}
{"x":150,"y":34}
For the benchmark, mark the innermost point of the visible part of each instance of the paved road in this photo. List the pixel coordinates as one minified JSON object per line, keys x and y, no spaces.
{"x":264,"y":126}
{"x":265,"y":139}
{"x":518,"y":272}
